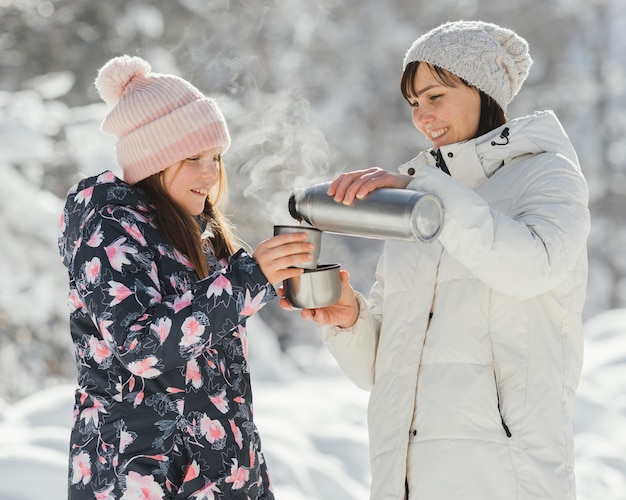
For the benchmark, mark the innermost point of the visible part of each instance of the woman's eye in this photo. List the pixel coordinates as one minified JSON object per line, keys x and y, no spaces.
{"x":435,"y":97}
{"x":414,"y":104}
{"x":193,"y":158}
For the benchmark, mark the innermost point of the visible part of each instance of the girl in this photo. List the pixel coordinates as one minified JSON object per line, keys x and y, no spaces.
{"x":159,"y":297}
{"x":472,"y":345}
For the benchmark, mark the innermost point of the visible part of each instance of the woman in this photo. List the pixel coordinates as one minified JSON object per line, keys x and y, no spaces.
{"x":159,"y":297}
{"x":472,"y":345}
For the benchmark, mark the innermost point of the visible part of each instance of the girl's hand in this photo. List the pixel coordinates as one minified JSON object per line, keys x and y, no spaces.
{"x":359,"y":183}
{"x":277,"y":255}
{"x":342,"y":313}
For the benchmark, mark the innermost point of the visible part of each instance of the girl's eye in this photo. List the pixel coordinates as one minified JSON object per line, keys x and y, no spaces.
{"x":435,"y":97}
{"x":414,"y":104}
{"x":193,"y":158}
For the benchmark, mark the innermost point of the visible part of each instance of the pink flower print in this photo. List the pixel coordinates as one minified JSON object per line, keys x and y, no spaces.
{"x":182,"y":258}
{"x":252,"y":305}
{"x":84,"y":196}
{"x":238,"y":475}
{"x":193,"y":471}
{"x":206,"y":492}
{"x":103,"y":327}
{"x":154,"y":273}
{"x":237,"y":433}
{"x":74,"y":301}
{"x":243,"y":337}
{"x":192,"y":332}
{"x":96,"y":237}
{"x":77,"y":245}
{"x":138,"y":399}
{"x":214,"y":432}
{"x":220,"y":401}
{"x":83,"y":395}
{"x":119,"y":291}
{"x":92,"y":270}
{"x":62,"y":225}
{"x":106,"y":177}
{"x":252,"y":455}
{"x":155,"y":294}
{"x":81,"y":468}
{"x":140,"y":487}
{"x":174,"y":390}
{"x":219,"y":285}
{"x":145,"y":367}
{"x":104,"y":493}
{"x":192,"y":374}
{"x":92,"y":414}
{"x":98,"y":350}
{"x":117,"y":251}
{"x":119,"y":387}
{"x":183,"y":301}
{"x":134,"y":232}
{"x":161,"y":327}
{"x":126,"y":438}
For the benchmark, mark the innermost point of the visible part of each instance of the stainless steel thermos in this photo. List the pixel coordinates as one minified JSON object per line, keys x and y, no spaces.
{"x":385,"y":213}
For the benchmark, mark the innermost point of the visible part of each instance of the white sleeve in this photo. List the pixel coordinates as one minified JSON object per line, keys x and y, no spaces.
{"x":355,"y":348}
{"x":525,"y":253}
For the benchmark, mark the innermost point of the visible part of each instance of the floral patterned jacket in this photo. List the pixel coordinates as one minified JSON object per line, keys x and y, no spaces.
{"x":164,"y":403}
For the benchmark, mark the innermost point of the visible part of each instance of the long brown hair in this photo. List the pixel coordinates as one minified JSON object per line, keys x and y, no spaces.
{"x":491,"y":114}
{"x":184,"y":232}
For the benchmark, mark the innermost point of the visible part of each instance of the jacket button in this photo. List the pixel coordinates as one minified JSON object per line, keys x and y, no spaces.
{"x":450,"y":155}
{"x":411,"y":171}
{"x":414,"y":433}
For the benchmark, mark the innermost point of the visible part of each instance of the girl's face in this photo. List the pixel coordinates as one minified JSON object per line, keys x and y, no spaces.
{"x":444,"y":114}
{"x":190,"y":181}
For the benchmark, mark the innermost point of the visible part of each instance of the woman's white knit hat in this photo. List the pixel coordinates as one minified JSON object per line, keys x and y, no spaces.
{"x":160,"y":119}
{"x":487,"y":56}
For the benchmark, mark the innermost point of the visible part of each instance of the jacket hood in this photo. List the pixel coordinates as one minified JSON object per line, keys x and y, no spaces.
{"x":85,"y":199}
{"x":474,"y":161}
{"x":540,"y":132}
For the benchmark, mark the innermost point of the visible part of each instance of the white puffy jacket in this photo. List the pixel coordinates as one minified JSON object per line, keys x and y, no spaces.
{"x":472,"y":345}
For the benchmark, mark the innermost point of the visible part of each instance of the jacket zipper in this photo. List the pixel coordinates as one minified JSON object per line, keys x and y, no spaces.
{"x":504,"y":426}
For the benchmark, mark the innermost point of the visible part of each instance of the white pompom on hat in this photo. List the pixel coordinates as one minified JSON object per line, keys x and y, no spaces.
{"x":485,"y":55}
{"x":160,"y":119}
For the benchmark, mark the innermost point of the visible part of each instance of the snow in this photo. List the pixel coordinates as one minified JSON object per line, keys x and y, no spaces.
{"x":313,"y":426}
{"x":312,"y":420}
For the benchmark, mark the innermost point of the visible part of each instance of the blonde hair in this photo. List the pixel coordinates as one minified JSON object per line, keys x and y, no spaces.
{"x":183,"y":231}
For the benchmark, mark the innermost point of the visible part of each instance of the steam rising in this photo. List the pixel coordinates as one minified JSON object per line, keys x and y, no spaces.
{"x":284,"y":151}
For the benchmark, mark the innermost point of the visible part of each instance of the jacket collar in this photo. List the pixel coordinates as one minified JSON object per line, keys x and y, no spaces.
{"x":473,"y":162}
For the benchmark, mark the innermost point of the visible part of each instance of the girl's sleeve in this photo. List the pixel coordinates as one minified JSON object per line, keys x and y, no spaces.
{"x":117,"y":279}
{"x":525,"y":253}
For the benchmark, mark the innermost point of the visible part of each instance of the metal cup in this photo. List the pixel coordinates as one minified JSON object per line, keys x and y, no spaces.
{"x":313,"y":235}
{"x":314,"y":288}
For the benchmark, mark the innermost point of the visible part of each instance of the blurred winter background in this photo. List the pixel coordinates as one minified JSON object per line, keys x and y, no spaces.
{"x":309,"y":89}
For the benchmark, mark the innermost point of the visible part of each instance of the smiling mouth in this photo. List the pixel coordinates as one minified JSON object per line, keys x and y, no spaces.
{"x":201,"y":192}
{"x":435,"y":134}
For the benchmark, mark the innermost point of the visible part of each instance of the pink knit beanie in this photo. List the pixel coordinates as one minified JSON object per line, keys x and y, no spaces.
{"x":160,"y":119}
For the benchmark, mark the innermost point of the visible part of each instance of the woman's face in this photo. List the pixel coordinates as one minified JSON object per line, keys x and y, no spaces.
{"x":444,"y":114}
{"x":189,"y":182}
